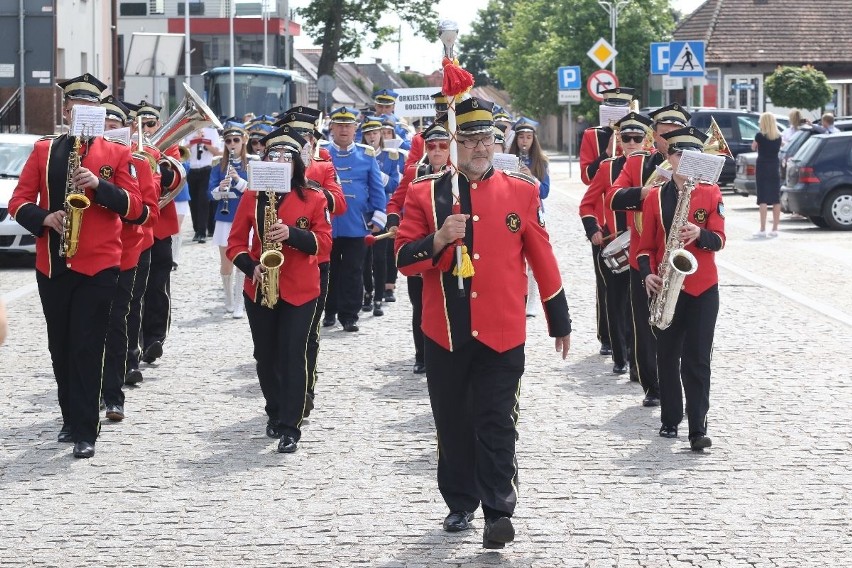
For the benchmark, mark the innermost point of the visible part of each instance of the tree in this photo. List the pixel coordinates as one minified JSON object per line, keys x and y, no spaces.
{"x":342,"y":27}
{"x":546,"y":35}
{"x":803,"y":87}
{"x":477,"y":48}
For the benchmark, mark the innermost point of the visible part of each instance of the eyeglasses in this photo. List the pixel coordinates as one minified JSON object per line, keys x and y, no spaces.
{"x":256,"y":142}
{"x":471,"y":143}
{"x":150,"y":124}
{"x":438,"y":145}
{"x":279,"y":156}
{"x":233,"y":140}
{"x":627,"y":138}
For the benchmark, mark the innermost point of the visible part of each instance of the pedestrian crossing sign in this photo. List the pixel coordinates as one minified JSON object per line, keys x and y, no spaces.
{"x":687,"y":59}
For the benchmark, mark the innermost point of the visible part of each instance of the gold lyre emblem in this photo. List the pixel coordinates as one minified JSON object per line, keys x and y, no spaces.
{"x":513,"y":221}
{"x":106,"y":172}
{"x":302,"y":223}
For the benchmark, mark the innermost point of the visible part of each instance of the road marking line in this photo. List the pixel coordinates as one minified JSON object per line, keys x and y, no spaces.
{"x":10,"y":297}
{"x":820,"y":307}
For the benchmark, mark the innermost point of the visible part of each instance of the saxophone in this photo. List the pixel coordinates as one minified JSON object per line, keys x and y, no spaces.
{"x":76,"y":203}
{"x":677,"y":263}
{"x":271,"y":258}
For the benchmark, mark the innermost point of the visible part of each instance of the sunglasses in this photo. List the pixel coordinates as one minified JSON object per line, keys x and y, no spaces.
{"x":233,"y":140}
{"x":150,"y":124}
{"x":627,"y":138}
{"x":437,"y":145}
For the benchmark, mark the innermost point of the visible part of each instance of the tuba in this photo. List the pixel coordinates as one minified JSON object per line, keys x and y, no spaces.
{"x":76,"y":204}
{"x":716,"y":143}
{"x":271,"y":259}
{"x":191,"y":115}
{"x":677,"y":263}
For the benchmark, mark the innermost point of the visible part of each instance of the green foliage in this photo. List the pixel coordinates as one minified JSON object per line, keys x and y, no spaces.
{"x":413,"y":80}
{"x":343,"y":27}
{"x":477,"y":48}
{"x":546,"y":35}
{"x":801,"y":87}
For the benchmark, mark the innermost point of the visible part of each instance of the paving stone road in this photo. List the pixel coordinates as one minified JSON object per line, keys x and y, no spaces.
{"x":189,"y":479}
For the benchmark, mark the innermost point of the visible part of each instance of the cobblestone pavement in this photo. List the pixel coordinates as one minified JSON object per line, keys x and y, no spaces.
{"x":189,"y":479}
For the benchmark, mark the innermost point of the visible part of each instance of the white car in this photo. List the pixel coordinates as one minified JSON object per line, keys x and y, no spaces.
{"x":14,"y":151}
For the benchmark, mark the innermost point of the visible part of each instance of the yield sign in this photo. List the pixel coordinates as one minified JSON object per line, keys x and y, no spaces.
{"x":600,"y":81}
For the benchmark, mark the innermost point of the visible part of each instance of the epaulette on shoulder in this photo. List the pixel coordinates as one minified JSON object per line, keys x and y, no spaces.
{"x":645,"y":153}
{"x":519,"y":175}
{"x":369,"y":150}
{"x":313,"y":184}
{"x":216,"y":160}
{"x":610,"y":159}
{"x":323,"y":142}
{"x":429,"y":176}
{"x":392,"y":152}
{"x":116,"y":141}
{"x":49,"y":137}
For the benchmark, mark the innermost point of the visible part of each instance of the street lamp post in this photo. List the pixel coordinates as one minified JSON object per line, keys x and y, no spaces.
{"x":613,"y":7}
{"x":232,"y":89}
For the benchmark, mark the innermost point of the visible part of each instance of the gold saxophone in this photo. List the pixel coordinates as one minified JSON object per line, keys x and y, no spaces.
{"x":76,"y":203}
{"x":677,"y":263}
{"x":271,"y":258}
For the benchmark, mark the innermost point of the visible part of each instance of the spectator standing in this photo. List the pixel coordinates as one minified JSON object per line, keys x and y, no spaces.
{"x":796,"y":120}
{"x":828,"y":123}
{"x":767,"y":144}
{"x":204,"y":145}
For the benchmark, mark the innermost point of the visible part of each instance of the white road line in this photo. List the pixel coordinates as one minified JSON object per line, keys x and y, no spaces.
{"x":787,"y":292}
{"x":19,"y":293}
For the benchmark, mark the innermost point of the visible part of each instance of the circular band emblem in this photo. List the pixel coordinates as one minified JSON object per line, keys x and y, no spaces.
{"x":700,"y":215}
{"x":513,"y":222}
{"x":106,"y":172}
{"x":302,"y":223}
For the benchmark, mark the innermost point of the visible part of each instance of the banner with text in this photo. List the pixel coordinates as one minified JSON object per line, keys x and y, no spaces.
{"x":416,"y":102}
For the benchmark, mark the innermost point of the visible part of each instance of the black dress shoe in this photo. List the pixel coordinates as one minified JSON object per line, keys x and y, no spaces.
{"x":328,"y":321}
{"x":668,"y":431}
{"x":651,"y":400}
{"x":309,"y":405}
{"x":498,"y":532}
{"x":84,"y":450}
{"x":350,"y":326}
{"x":699,"y":443}
{"x":367,"y":304}
{"x":419,"y":368}
{"x":195,"y":238}
{"x":174,"y":266}
{"x":65,"y":436}
{"x":201,"y":239}
{"x":115,"y":412}
{"x":153,"y":352}
{"x":389,"y":297}
{"x":272,"y":430}
{"x":619,"y":369}
{"x":133,"y":377}
{"x":377,"y":309}
{"x":287,"y":445}
{"x":458,"y":521}
{"x":605,"y":349}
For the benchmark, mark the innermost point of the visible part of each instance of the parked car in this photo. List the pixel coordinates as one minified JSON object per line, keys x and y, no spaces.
{"x":737,"y":126}
{"x":819,"y":181}
{"x":14,"y":151}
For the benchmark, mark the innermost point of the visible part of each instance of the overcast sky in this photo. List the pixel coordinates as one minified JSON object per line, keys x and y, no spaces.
{"x":425,"y":56}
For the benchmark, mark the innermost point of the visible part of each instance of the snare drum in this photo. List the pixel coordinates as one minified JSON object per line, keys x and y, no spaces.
{"x":616,"y":255}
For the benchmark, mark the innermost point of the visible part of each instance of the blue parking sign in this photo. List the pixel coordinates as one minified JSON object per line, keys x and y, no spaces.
{"x":569,"y":78}
{"x":660,"y":61}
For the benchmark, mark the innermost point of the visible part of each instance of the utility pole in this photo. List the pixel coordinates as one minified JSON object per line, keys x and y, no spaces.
{"x":613,"y":7}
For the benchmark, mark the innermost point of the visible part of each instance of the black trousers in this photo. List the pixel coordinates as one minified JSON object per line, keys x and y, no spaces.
{"x":134,"y":318}
{"x":76,"y":308}
{"x":375,"y":269}
{"x":345,"y":283}
{"x":600,"y":298}
{"x":157,"y":306}
{"x":474,"y":394}
{"x":115,"y":358}
{"x":198,"y":180}
{"x":618,"y":314}
{"x":684,"y":351}
{"x":644,"y":341}
{"x":280,"y":337}
{"x":314,"y":335}
{"x":415,"y":295}
{"x":391,"y":264}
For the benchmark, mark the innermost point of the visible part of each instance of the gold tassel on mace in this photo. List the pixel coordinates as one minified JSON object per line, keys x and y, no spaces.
{"x":466,"y":269}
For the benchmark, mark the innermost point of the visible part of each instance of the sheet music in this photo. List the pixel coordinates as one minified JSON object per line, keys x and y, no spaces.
{"x":667,"y":174}
{"x":508,"y":162}
{"x":263,"y":176}
{"x":394,"y":143}
{"x":87,"y":120}
{"x":702,"y":167}
{"x":609,"y":115}
{"x":122,"y":134}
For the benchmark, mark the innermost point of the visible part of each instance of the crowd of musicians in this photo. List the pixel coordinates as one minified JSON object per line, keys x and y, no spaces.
{"x":369,"y":199}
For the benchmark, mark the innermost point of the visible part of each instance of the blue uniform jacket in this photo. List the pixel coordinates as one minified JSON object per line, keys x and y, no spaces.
{"x":362,"y":185}
{"x":184,"y":192}
{"x":391,"y":163}
{"x":544,"y":188}
{"x":216,"y":177}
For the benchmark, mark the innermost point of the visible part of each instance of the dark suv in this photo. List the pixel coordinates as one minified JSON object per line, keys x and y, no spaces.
{"x":819,"y":181}
{"x":737,"y":126}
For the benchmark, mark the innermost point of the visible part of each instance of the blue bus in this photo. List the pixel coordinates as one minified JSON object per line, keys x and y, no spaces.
{"x":258,"y":88}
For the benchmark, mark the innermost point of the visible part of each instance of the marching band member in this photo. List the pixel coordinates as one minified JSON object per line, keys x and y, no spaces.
{"x":181,"y":209}
{"x":684,"y":348}
{"x":77,"y":278}
{"x":385,"y":104}
{"x":602,"y":224}
{"x":364,"y":191}
{"x":415,"y":153}
{"x":627,"y":194}
{"x":503,"y":121}
{"x":474,"y":353}
{"x":257,"y":130}
{"x":390,"y":159}
{"x":301,"y":225}
{"x":533,"y":163}
{"x":229,"y":175}
{"x":136,"y":239}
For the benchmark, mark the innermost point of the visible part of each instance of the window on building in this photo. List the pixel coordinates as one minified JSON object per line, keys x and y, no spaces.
{"x":133,"y":9}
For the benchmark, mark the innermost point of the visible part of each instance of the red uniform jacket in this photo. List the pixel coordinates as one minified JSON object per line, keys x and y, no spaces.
{"x":167,"y":225}
{"x":324,"y":154}
{"x":505,"y":228}
{"x":706,"y":210}
{"x":626,"y":193}
{"x":324,"y":174}
{"x":594,"y":209}
{"x":41,"y":191}
{"x":137,"y":234}
{"x":310,"y":231}
{"x":418,"y":148}
{"x":593,"y":150}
